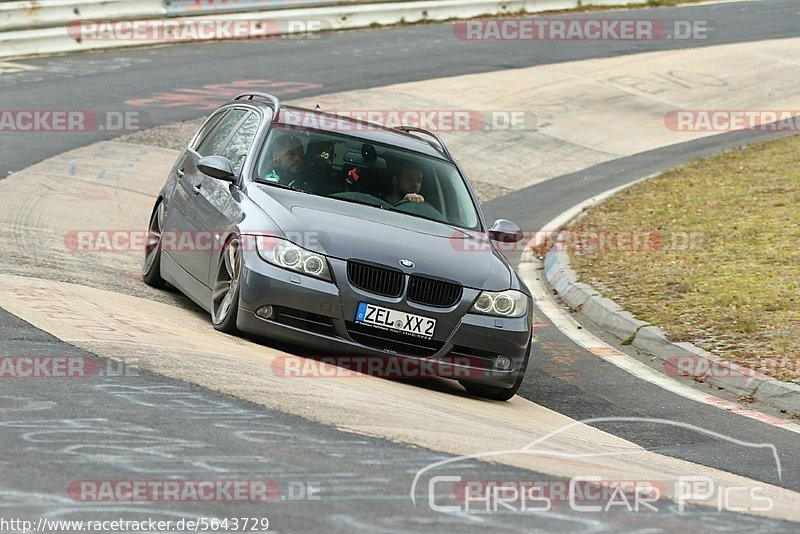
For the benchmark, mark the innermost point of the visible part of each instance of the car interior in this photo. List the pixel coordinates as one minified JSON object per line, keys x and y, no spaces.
{"x":362,"y":172}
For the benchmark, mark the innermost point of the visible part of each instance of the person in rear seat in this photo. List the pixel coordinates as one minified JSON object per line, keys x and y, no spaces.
{"x":320,"y":177}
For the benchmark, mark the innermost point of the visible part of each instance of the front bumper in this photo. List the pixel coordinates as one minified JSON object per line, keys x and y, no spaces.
{"x":320,"y":315}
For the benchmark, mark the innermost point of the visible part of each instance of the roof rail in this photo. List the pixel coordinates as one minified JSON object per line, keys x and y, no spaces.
{"x":441,"y":148}
{"x":272,"y":98}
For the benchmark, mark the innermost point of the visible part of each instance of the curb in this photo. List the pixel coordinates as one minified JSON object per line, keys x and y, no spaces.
{"x":679,"y":359}
{"x":22,"y":37}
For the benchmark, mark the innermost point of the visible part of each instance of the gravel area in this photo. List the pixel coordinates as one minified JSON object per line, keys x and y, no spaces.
{"x":487,"y":191}
{"x":174,"y":136}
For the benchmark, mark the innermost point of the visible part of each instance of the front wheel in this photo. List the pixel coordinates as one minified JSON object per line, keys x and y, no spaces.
{"x":151,"y":270}
{"x":225,"y":297}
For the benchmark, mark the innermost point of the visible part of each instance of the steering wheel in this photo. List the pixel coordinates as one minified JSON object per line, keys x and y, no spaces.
{"x":423,"y":207}
{"x":406,"y":201}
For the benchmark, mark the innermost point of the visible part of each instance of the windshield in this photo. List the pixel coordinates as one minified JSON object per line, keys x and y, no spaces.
{"x":354,"y":170}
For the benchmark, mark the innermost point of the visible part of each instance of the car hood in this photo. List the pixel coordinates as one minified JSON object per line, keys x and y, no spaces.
{"x":346,"y":230}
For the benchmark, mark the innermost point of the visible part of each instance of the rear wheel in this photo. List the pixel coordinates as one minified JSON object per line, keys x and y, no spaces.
{"x":495,"y":393}
{"x":225,"y":296}
{"x":151,"y":270}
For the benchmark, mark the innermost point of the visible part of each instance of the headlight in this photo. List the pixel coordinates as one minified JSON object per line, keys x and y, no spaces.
{"x":504,"y":304}
{"x":289,"y":256}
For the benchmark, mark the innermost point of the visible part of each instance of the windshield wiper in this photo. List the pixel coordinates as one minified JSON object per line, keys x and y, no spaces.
{"x":352,"y":201}
{"x":284,"y":186}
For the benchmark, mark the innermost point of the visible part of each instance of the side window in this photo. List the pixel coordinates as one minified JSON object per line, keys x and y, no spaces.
{"x":207,"y":127}
{"x":240,"y":143}
{"x":215,"y":142}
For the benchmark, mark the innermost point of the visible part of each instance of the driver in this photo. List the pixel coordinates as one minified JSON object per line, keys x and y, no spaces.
{"x":406,"y":184}
{"x":287,"y":160}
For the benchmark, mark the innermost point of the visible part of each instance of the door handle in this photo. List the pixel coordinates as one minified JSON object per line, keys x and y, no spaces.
{"x":181,"y":173}
{"x":197,"y":189}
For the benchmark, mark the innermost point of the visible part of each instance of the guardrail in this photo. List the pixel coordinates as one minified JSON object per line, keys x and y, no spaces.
{"x":190,"y":7}
{"x":31,"y":28}
{"x":30,"y":15}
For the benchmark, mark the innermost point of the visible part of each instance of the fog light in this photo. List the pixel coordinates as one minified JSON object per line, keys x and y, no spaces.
{"x":503,"y":363}
{"x":266,"y":312}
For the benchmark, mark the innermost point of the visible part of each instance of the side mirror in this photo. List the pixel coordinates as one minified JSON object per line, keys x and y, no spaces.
{"x":217,"y":167}
{"x":505,"y":232}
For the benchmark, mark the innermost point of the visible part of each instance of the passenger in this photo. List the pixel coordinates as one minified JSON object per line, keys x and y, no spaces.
{"x":406,"y":184}
{"x":287,"y":160}
{"x":320,"y":177}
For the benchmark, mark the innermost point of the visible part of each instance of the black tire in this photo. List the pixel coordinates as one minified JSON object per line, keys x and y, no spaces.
{"x":495,"y":393}
{"x":151,"y":269}
{"x":225,"y":294}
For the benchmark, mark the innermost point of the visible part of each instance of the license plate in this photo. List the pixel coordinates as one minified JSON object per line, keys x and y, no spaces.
{"x":395,"y":321}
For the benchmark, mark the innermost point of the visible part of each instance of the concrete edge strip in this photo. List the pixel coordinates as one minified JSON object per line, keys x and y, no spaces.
{"x":682,"y":358}
{"x":57,"y":39}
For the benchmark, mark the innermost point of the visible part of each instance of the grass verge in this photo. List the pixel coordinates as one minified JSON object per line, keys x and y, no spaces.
{"x":709,"y":252}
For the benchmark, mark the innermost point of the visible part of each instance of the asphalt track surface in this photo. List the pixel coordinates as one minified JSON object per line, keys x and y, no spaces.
{"x":152,"y":428}
{"x":364,"y":481}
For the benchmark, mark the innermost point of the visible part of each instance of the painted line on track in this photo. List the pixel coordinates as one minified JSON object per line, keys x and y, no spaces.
{"x":8,"y":67}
